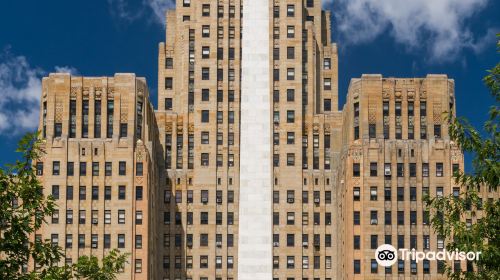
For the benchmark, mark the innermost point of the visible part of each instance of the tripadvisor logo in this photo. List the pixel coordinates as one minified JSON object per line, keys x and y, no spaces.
{"x":386,"y":255}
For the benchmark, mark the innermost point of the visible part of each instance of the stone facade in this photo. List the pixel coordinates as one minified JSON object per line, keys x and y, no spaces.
{"x":249,"y":170}
{"x":101,"y":145}
{"x":395,"y":150}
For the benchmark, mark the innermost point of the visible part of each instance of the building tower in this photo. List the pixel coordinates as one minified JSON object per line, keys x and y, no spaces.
{"x":286,"y":120}
{"x":395,"y":151}
{"x":100,"y":142}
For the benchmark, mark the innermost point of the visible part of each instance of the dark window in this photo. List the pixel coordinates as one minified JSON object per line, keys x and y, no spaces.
{"x":356,"y":170}
{"x":82,"y":193}
{"x":388,"y":218}
{"x":95,"y":193}
{"x":400,"y":170}
{"x":83,"y":168}
{"x":356,"y":218}
{"x":169,"y":63}
{"x":57,"y":129}
{"x":290,"y":95}
{"x":138,"y":192}
{"x":290,"y":52}
{"x":372,"y":131}
{"x":327,"y":105}
{"x":139,"y":169}
{"x":205,"y":73}
{"x":413,"y":170}
{"x":39,"y":168}
{"x":55,"y":191}
{"x":357,"y":242}
{"x":439,"y":169}
{"x":276,"y":54}
{"x":373,"y":169}
{"x":400,"y":194}
{"x":69,"y":193}
{"x":290,"y":116}
{"x":276,"y":74}
{"x":437,"y":131}
{"x":204,"y":116}
{"x":95,"y":168}
{"x":70,"y":168}
{"x":357,"y":267}
{"x":56,"y":168}
{"x":122,"y":168}
{"x":168,"y":104}
{"x":169,"y":83}
{"x":121,"y":192}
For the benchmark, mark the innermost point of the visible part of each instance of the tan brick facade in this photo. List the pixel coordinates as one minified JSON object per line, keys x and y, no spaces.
{"x":101,"y":146}
{"x":375,"y":158}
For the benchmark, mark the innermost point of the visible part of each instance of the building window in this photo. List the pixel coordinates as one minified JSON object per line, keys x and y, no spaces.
{"x":56,"y":168}
{"x":290,"y":11}
{"x":57,"y":129}
{"x":439,"y":169}
{"x":357,"y":266}
{"x":121,"y":241}
{"x":290,"y":159}
{"x":373,"y":217}
{"x":39,"y":169}
{"x":290,"y":74}
{"x":356,"y":218}
{"x":108,"y":168}
{"x":121,"y":192}
{"x":373,"y":169}
{"x":122,"y":168}
{"x":372,"y":131}
{"x":373,"y":193}
{"x":205,"y":116}
{"x":290,"y":52}
{"x":205,"y":73}
{"x":204,"y":159}
{"x":205,"y":33}
{"x":327,"y":84}
{"x":356,"y":170}
{"x":327,"y":105}
{"x":437,"y":131}
{"x":169,"y":83}
{"x":425,"y":170}
{"x":290,"y":31}
{"x":400,"y":169}
{"x":356,"y":194}
{"x":290,"y":116}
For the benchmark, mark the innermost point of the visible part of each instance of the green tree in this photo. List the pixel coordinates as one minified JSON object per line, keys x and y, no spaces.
{"x":450,"y":212}
{"x":23,"y":209}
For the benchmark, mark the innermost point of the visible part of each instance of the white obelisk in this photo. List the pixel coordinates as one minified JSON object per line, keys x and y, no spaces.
{"x":255,"y":205}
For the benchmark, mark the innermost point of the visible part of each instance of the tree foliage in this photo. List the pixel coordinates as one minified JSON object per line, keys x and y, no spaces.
{"x":23,"y":209}
{"x":450,"y":212}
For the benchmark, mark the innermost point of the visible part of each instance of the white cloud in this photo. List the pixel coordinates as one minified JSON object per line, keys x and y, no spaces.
{"x":66,"y":69}
{"x":155,"y":8}
{"x":159,"y":7}
{"x":20,"y":91}
{"x":121,"y":9}
{"x":438,"y":27}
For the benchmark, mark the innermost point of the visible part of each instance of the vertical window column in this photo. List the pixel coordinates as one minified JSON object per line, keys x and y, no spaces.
{"x":72,"y":119}
{"x":97,"y":119}
{"x":110,"y":111}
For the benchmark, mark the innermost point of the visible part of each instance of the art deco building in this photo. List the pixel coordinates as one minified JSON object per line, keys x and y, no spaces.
{"x":100,"y":165}
{"x":247,"y":170}
{"x":395,"y":151}
{"x":212,"y":151}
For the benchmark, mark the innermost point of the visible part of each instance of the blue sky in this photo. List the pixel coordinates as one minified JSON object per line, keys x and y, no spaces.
{"x":100,"y":37}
